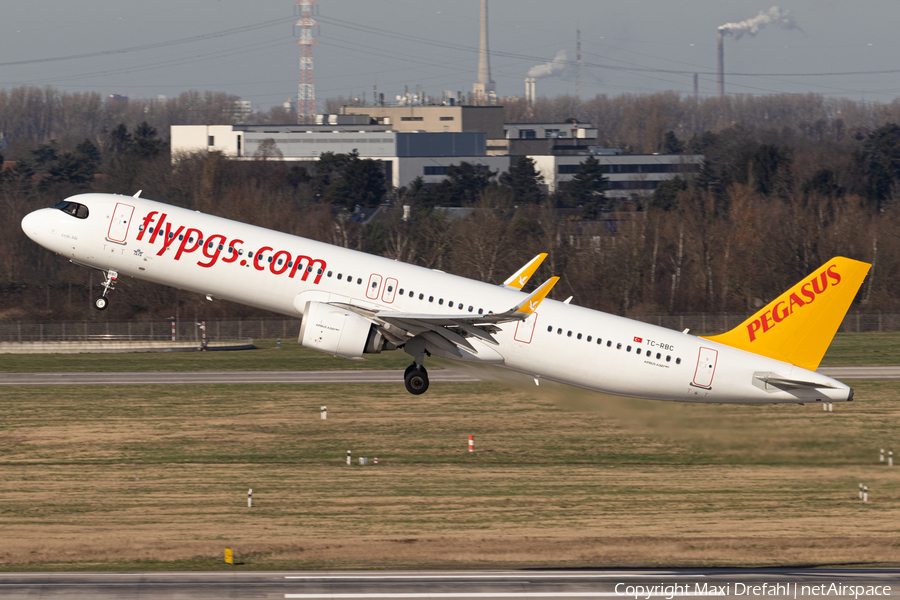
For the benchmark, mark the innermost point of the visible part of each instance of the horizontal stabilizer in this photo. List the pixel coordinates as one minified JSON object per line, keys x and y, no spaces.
{"x":783,"y":382}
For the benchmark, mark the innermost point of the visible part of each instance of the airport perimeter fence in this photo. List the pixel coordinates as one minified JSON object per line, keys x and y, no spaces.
{"x":216,"y":331}
{"x":244,"y":329}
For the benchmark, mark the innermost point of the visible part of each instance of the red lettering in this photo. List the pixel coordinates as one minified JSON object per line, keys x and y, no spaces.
{"x":286,"y":257}
{"x":777,"y":315}
{"x":808,"y":294}
{"x":824,"y":280}
{"x":834,"y":276}
{"x":212,"y":244}
{"x":188,"y":239}
{"x":795,"y":299}
{"x":147,"y":220}
{"x":233,"y":245}
{"x":169,"y":238}
{"x":766,"y":323}
{"x":752,"y":328}
{"x":256,"y":258}
{"x":309,"y":267}
{"x":158,"y":229}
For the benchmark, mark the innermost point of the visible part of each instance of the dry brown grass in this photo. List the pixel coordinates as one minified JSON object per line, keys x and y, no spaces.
{"x":157,"y":477}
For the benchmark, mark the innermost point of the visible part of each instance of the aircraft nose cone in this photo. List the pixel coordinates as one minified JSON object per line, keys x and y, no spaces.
{"x":31,"y":225}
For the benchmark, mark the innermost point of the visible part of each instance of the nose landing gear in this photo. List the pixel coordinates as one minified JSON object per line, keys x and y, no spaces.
{"x":101,"y":302}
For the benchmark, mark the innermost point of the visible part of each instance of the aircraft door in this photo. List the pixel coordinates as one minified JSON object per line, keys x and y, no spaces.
{"x":706,"y":367}
{"x":374,"y":289}
{"x":118,"y":225}
{"x":525,"y":329}
{"x":390,"y":290}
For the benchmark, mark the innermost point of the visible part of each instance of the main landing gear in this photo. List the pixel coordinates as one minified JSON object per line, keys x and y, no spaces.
{"x":416,"y":379}
{"x":101,"y":302}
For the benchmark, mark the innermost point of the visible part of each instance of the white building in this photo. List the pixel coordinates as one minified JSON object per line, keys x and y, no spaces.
{"x":629,"y":174}
{"x":405,"y":155}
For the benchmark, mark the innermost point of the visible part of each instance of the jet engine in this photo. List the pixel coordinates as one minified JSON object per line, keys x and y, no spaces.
{"x":338,"y":331}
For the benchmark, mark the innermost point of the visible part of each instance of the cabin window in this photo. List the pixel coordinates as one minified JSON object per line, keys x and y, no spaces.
{"x":171,"y":235}
{"x":270,"y":259}
{"x":559,"y":331}
{"x":329,"y":272}
{"x":549,"y":328}
{"x":471,"y":308}
{"x":608,"y":343}
{"x":411,"y":294}
{"x":618,"y":346}
{"x":648,"y":353}
{"x":399,"y":292}
{"x":677,"y":361}
{"x":230,"y":250}
{"x":569,"y":334}
{"x":319,"y":272}
{"x":658,"y":356}
{"x":431,"y":298}
{"x":480,"y":311}
{"x":221,"y":247}
{"x":460,"y":305}
{"x":241,"y":252}
{"x":599,"y":341}
{"x":390,"y":288}
{"x":340,"y":275}
{"x":638,"y":351}
{"x":441,"y":301}
{"x":450,"y":304}
{"x":589,"y":338}
{"x":421,"y":296}
{"x":151,"y":230}
{"x":578,"y":336}
{"x":249,"y":253}
{"x":668,"y":359}
{"x":290,"y":263}
{"x":181,"y":237}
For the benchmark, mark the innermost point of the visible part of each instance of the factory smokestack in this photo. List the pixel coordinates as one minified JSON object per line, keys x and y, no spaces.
{"x":485,"y":91}
{"x":773,"y":16}
{"x":720,"y":78}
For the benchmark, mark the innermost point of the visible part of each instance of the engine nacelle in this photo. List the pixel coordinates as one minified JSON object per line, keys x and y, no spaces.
{"x":338,"y":331}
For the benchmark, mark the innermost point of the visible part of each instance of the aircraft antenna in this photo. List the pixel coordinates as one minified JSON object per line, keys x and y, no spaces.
{"x":306,"y":95}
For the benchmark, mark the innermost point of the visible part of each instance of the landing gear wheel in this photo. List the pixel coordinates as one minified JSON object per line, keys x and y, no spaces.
{"x":416,"y":380}
{"x":101,"y":302}
{"x":409,"y":370}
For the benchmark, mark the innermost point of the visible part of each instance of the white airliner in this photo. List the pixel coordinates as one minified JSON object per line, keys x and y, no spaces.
{"x":354,"y":303}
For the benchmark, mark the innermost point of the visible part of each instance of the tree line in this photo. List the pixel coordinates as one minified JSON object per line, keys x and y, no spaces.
{"x":773,"y":200}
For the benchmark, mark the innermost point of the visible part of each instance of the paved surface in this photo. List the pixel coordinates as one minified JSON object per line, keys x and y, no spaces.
{"x":861,"y":372}
{"x":310,"y":377}
{"x":675,"y":583}
{"x":210,"y":377}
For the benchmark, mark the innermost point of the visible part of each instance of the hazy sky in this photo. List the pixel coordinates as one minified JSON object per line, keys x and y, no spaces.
{"x":246,"y":47}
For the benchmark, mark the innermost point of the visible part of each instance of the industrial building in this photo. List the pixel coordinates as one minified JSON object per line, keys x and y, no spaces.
{"x":629,"y":175}
{"x":405,"y":155}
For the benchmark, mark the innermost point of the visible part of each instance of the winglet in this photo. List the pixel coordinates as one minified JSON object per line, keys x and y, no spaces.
{"x":530,"y":304}
{"x":518,"y":279}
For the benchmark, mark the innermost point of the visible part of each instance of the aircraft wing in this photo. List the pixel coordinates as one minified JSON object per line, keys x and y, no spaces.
{"x":518,"y":279}
{"x":450,"y":331}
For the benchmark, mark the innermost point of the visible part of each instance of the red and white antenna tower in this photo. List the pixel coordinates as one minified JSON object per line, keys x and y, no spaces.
{"x":306,"y":94}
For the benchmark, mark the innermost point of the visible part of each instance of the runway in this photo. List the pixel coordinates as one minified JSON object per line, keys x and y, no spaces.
{"x":231,"y":377}
{"x":363,"y":585}
{"x":316,"y":377}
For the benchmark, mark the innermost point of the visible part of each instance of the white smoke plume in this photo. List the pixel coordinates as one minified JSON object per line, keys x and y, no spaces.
{"x":773,"y":16}
{"x":558,"y":66}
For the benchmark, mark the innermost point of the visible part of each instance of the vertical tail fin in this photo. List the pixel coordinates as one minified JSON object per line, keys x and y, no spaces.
{"x":798,"y":326}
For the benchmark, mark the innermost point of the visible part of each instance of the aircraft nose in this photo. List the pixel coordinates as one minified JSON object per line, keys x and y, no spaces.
{"x":31,"y":225}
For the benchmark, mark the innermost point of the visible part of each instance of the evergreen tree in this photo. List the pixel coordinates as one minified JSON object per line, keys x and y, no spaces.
{"x":524,"y":181}
{"x":587,"y":188}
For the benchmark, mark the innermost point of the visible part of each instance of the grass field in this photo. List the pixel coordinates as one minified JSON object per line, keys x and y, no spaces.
{"x":846,"y":349}
{"x":156,"y":478}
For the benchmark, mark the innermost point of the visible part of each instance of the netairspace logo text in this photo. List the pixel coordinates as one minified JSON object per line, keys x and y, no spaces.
{"x":797,"y":590}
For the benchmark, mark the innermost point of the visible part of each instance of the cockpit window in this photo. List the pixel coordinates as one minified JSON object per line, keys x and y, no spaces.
{"x":79,"y":211}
